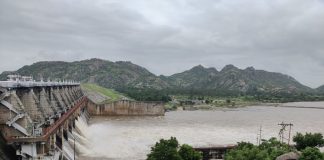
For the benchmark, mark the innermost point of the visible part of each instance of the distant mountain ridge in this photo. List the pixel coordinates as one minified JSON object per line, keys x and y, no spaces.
{"x":235,"y":79}
{"x":123,"y":74}
{"x":320,"y":89}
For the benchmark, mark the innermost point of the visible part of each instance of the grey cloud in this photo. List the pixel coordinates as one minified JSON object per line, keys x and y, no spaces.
{"x":168,"y":36}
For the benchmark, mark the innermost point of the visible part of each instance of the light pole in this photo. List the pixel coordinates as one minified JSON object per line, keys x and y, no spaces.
{"x":73,"y":148}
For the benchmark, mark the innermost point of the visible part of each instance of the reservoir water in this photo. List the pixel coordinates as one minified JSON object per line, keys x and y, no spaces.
{"x":124,"y":138}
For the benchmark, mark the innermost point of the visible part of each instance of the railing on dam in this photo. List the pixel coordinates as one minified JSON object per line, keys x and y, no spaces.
{"x":17,"y":84}
{"x":16,"y":81}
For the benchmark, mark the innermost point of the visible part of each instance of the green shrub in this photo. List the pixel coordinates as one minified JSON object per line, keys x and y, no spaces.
{"x":170,"y":150}
{"x":308,"y":140}
{"x":310,"y":153}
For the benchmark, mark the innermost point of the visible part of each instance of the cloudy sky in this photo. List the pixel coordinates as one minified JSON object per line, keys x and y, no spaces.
{"x":168,"y":36}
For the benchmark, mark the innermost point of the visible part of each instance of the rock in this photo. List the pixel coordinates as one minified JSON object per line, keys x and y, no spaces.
{"x":289,"y":156}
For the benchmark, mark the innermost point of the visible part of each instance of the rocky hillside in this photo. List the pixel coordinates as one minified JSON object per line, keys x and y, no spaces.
{"x":198,"y":77}
{"x":128,"y":75}
{"x":235,"y":79}
{"x":320,"y":89}
{"x":105,"y":73}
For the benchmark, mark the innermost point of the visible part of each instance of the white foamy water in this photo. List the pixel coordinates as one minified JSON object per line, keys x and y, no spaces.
{"x":124,"y":138}
{"x":68,"y":150}
{"x":305,"y":104}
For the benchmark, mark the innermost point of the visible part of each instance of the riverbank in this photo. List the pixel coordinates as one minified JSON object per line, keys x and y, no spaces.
{"x":240,"y":104}
{"x":215,"y":107}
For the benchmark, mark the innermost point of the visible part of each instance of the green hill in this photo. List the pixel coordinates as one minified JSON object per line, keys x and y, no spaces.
{"x":231,"y":78}
{"x":105,"y":73}
{"x":125,"y":76}
{"x":198,"y":77}
{"x":320,"y":89}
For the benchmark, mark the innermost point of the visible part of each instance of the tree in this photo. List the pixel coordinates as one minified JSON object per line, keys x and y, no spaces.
{"x":267,"y":150}
{"x":274,"y":148}
{"x":188,"y":153}
{"x":246,"y":153}
{"x":311,"y":154}
{"x":169,"y":150}
{"x":308,"y":140}
{"x":165,"y":150}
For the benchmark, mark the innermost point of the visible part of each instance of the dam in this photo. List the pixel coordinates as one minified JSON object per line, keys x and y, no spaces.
{"x":37,"y":119}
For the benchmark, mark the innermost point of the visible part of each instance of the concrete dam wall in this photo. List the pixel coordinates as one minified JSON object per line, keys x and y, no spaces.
{"x":126,"y":108}
{"x":39,"y":119}
{"x":36,"y":118}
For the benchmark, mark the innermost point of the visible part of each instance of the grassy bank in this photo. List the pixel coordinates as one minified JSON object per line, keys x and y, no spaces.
{"x":111,"y":95}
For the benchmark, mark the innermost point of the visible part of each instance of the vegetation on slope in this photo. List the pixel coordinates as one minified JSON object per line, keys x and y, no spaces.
{"x":141,"y":84}
{"x":101,"y":95}
{"x":146,"y":94}
{"x":320,"y":89}
{"x":102,"y":72}
{"x":112,"y":94}
{"x":233,"y":79}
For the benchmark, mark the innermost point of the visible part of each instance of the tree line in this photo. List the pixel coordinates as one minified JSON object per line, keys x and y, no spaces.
{"x":306,"y":148}
{"x":149,"y":94}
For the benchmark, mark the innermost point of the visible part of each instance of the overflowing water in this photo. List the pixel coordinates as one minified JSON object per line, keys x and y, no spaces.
{"x":68,"y":150}
{"x":124,"y":138}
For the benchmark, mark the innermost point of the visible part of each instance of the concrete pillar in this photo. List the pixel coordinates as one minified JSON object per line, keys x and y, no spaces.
{"x":15,"y":101}
{"x":43,"y":148}
{"x":80,"y":90}
{"x":58,"y":99}
{"x":50,"y":142}
{"x":31,"y":106}
{"x":54,"y":103}
{"x":71,"y":93}
{"x":5,"y":113}
{"x":43,"y":100}
{"x":63,"y":97}
{"x":68,"y":96}
{"x":14,"y":116}
{"x":75,"y":92}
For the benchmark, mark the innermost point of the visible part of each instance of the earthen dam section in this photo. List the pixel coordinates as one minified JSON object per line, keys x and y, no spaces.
{"x":126,"y":108}
{"x":37,"y":118}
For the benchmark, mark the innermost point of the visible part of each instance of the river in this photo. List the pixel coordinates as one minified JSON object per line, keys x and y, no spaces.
{"x":124,"y":138}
